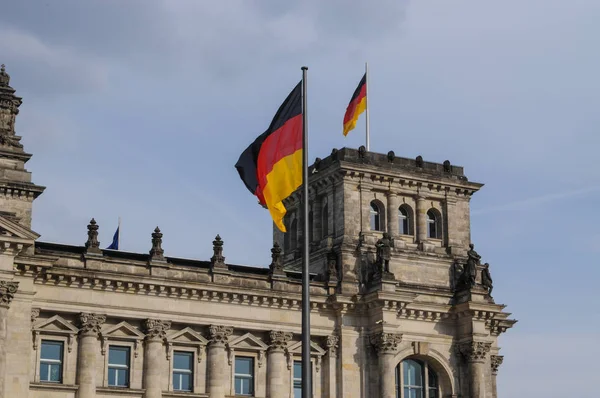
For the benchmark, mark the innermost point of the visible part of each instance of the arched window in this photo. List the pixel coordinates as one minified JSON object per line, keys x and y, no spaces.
{"x":434,"y":229}
{"x":416,"y":379}
{"x":405,"y":220}
{"x":294,"y":235}
{"x":325,"y":220}
{"x":375,"y":217}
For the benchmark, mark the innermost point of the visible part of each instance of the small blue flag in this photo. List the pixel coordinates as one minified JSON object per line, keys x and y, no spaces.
{"x":115,"y":243}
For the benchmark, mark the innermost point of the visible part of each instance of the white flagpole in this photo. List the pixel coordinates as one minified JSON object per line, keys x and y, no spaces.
{"x":367,"y":104}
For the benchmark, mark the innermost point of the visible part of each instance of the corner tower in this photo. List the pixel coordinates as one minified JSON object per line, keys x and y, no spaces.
{"x":17,"y":192}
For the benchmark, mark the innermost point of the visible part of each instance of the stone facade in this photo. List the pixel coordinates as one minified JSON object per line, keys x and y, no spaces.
{"x":414,"y":297}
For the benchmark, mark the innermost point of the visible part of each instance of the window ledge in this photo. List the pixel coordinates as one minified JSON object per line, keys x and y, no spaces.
{"x":120,"y":390}
{"x":181,"y":394}
{"x":54,"y":386}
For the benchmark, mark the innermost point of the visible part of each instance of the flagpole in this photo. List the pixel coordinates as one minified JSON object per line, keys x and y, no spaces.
{"x":367,"y":103}
{"x":306,"y":376}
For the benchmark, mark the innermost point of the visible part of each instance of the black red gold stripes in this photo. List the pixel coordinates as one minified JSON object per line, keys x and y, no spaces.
{"x":357,"y":105}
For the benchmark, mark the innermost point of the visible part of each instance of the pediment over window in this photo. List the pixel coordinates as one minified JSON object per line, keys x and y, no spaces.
{"x":315,"y":349}
{"x":187,"y":336}
{"x":56,"y":324}
{"x":122,"y":330}
{"x":11,"y":228}
{"x":248,"y":342}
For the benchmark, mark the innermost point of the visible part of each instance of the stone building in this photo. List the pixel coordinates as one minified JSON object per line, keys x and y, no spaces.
{"x":401,"y":304}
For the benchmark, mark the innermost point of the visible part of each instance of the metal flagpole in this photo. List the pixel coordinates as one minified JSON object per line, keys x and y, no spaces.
{"x":306,"y":376}
{"x":367,"y":103}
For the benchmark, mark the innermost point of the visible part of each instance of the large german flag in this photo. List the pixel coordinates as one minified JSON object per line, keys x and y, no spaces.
{"x":357,"y":105}
{"x":271,"y":167}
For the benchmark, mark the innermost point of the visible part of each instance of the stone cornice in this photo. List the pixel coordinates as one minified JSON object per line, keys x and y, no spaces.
{"x":7,"y":292}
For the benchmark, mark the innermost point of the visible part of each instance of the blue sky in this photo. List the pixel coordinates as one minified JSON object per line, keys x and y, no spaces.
{"x":140,"y":110}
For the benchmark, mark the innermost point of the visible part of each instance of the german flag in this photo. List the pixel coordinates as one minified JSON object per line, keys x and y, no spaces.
{"x":357,"y":105}
{"x":271,"y":167}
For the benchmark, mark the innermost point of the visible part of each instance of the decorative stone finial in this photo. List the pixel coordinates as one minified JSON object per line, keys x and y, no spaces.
{"x":278,"y":340}
{"x":90,"y":324}
{"x":157,"y":252}
{"x":156,"y":329}
{"x":391,"y":156}
{"x":419,"y":161}
{"x":276,"y":266}
{"x":316,"y":165}
{"x":4,"y":77}
{"x":362,"y":151}
{"x":386,"y":343}
{"x":217,"y":260}
{"x":7,"y":292}
{"x":92,"y":245}
{"x":447,"y":166}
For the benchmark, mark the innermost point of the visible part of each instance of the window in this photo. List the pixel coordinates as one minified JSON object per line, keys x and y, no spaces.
{"x":51,"y":361}
{"x":298,"y":379}
{"x":403,"y":221}
{"x":325,"y":220}
{"x":417,"y":380}
{"x":294,"y":235}
{"x":310,"y":226}
{"x":183,"y":371}
{"x":118,"y":366}
{"x":244,"y":376}
{"x":433,"y":225}
{"x":375,"y":217}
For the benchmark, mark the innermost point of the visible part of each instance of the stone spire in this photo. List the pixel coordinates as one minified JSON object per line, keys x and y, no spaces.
{"x":92,"y":245}
{"x":276,"y":266}
{"x":17,"y":192}
{"x":157,"y":252}
{"x":217,"y":260}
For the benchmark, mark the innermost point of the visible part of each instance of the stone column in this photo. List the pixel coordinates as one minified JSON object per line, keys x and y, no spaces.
{"x":217,"y":360}
{"x":90,"y":325}
{"x":421,"y":218}
{"x":475,"y":352}
{"x":496,"y":361}
{"x":276,"y":366}
{"x":7,"y":293}
{"x":330,"y":375}
{"x":386,"y":345}
{"x":154,"y":356}
{"x":392,"y":214}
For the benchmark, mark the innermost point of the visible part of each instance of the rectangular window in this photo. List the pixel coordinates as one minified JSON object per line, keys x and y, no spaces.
{"x":183,"y":371}
{"x":298,"y":379}
{"x":244,"y":376}
{"x":118,"y":366}
{"x":51,"y":361}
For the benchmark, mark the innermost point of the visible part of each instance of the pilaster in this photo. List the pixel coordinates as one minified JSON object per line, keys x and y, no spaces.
{"x":7,"y":294}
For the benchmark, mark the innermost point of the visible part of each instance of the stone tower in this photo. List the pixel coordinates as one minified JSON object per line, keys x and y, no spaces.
{"x":392,"y":236}
{"x":17,"y":192}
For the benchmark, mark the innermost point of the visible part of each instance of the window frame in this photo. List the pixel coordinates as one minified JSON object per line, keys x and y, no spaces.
{"x":405,"y":218}
{"x":192,"y":372}
{"x":252,"y":376}
{"x":67,"y":335}
{"x":52,"y":340}
{"x":133,"y":343}
{"x":313,"y":367}
{"x":436,"y":222}
{"x":425,"y":369}
{"x":377,"y":210}
{"x":118,"y":366}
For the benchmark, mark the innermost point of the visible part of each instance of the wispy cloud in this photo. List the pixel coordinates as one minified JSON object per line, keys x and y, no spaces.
{"x":537,"y":200}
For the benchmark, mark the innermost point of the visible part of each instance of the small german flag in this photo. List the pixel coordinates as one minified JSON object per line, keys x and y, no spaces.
{"x":357,"y":105}
{"x":271,"y":167}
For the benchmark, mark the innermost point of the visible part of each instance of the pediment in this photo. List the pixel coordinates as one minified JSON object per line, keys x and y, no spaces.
{"x":248,"y":342}
{"x":315,"y":349}
{"x":122,"y":330}
{"x":56,"y":324}
{"x":187,"y":335}
{"x":12,"y":230}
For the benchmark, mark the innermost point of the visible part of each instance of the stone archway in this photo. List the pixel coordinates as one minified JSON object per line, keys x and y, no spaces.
{"x":438,"y":364}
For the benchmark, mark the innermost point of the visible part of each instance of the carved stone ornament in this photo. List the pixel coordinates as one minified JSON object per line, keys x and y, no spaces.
{"x":362,"y":151}
{"x":35,"y":313}
{"x":386,"y":343}
{"x":276,"y":266}
{"x":332,"y":258}
{"x":157,"y":252}
{"x":92,"y":245}
{"x":219,"y":335}
{"x":332,"y":344}
{"x":156,"y":329}
{"x":217,"y":260}
{"x":7,"y":292}
{"x":419,"y":161}
{"x":90,"y":324}
{"x":474,"y":350}
{"x":391,"y":156}
{"x":496,"y":361}
{"x":278,"y":340}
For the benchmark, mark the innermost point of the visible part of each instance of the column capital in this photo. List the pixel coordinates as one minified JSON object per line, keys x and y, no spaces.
{"x":219,"y":334}
{"x":332,"y":345}
{"x":474,"y":351}
{"x":278,"y":340}
{"x":496,"y":361}
{"x":7,"y":292}
{"x":156,"y":329}
{"x":386,"y":343}
{"x":90,"y":324}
